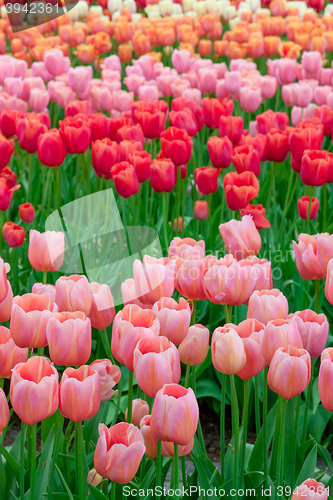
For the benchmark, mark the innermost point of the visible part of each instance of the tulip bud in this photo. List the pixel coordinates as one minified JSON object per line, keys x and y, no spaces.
{"x":140,"y":409}
{"x":228,"y":354}
{"x":194,"y":348}
{"x":267,"y":305}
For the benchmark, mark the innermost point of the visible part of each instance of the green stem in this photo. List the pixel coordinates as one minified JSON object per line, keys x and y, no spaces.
{"x":264,"y":424}
{"x":175,"y":466}
{"x":78,"y":459}
{"x":40,"y":351}
{"x":199,"y":429}
{"x":222,"y":423}
{"x":29,"y":176}
{"x":184,"y":471}
{"x":194,"y":310}
{"x":235,"y":415}
{"x":227,"y":313}
{"x":165,"y":221}
{"x":23,"y":434}
{"x":309,"y":209}
{"x":324,"y":191}
{"x":2,"y":381}
{"x":280,"y":452}
{"x":32,"y":460}
{"x":58,"y":188}
{"x":44,"y":277}
{"x":317,"y":296}
{"x":244,"y":423}
{"x":107,"y":345}
{"x":130,"y":396}
{"x":55,"y":455}
{"x":256,"y":403}
{"x":187,"y":376}
{"x":118,"y":402}
{"x":29,"y":353}
{"x":158,"y":464}
{"x":113,"y":491}
{"x":307,"y":401}
{"x":286,"y":208}
{"x":294,"y":442}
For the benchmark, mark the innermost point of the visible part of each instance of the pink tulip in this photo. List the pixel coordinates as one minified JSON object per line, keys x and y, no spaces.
{"x":146,"y":64}
{"x":207,"y":80}
{"x":156,"y":362}
{"x":55,"y":62}
{"x":313,"y":329}
{"x":16,"y":86}
{"x":321,"y":94}
{"x":194,"y":348}
{"x":29,"y":318}
{"x":113,"y":62}
{"x":10,"y":353}
{"x":46,"y":250}
{"x":233,"y":81}
{"x":109,"y":374}
{"x":34,"y":390}
{"x":186,"y":247}
{"x":178,"y":86}
{"x":38,"y":100}
{"x":230,"y":282}
{"x":310,"y":489}
{"x":267,"y":305}
{"x":325,"y":381}
{"x":312,"y":61}
{"x":4,"y":411}
{"x":175,"y":414}
{"x":64,"y":95}
{"x":79,"y":393}
{"x":312,"y":254}
{"x":101,"y":98}
{"x":140,"y":409}
{"x":69,"y":338}
{"x":290,"y":371}
{"x":40,"y":289}
{"x":250,"y":99}
{"x":122,"y":100}
{"x":39,"y":69}
{"x":280,"y":333}
{"x":6,"y":304}
{"x":148,"y":91}
{"x":119,"y":452}
{"x":73,"y":293}
{"x":193,"y":95}
{"x":190,"y":277}
{"x":174,"y":318}
{"x":129,"y":295}
{"x":129,"y":326}
{"x":251,"y":332}
{"x":181,"y":60}
{"x":154,"y":278}
{"x":268,"y":86}
{"x":134,"y":82}
{"x":241,"y":238}
{"x":328,"y":282}
{"x":285,"y":70}
{"x":168,"y":449}
{"x":228,"y":353}
{"x":263,"y":267}
{"x":102,"y":309}
{"x":3,"y":280}
{"x":79,"y":77}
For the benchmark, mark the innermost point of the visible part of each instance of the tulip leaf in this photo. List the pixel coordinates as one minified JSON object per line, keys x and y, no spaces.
{"x":44,"y":465}
{"x":90,"y":427}
{"x":201,"y":368}
{"x":12,"y":462}
{"x":208,"y":388}
{"x":96,"y":493}
{"x":203,"y":478}
{"x":309,"y":466}
{"x":258,"y":455}
{"x":149,"y":477}
{"x":63,"y":481}
{"x":325,"y":455}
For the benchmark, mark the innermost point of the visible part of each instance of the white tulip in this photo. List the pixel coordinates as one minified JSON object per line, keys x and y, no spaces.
{"x":114,"y":5}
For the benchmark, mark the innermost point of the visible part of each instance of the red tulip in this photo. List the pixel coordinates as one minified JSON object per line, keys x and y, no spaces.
{"x":232,"y":127}
{"x":28,"y":130}
{"x":115,"y":124}
{"x":325,"y":114}
{"x":303,"y":207}
{"x":131,"y":133}
{"x":258,"y":215}
{"x":240,"y":189}
{"x":151,"y":115}
{"x":300,"y":139}
{"x":50,"y":149}
{"x":27,"y":212}
{"x":162,"y":175}
{"x":201,"y":209}
{"x":214,"y":108}
{"x":15,"y":235}
{"x":181,"y":104}
{"x":246,"y":158}
{"x":176,"y":145}
{"x":8,"y":121}
{"x":104,"y":155}
{"x":220,"y":151}
{"x":269,"y":119}
{"x":141,"y":161}
{"x":125,"y":179}
{"x":76,"y":133}
{"x":184,"y":119}
{"x":7,"y":187}
{"x":258,"y":142}
{"x":316,"y":167}
{"x":277,"y":146}
{"x":6,"y":150}
{"x":206,"y":179}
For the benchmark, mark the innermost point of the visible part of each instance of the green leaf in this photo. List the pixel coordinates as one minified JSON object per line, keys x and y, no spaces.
{"x":207,"y":387}
{"x":12,"y":462}
{"x":325,"y":456}
{"x":258,"y":455}
{"x":97,"y":494}
{"x":203,"y":478}
{"x":44,"y":466}
{"x":147,"y":480}
{"x":309,"y":466}
{"x":63,"y":481}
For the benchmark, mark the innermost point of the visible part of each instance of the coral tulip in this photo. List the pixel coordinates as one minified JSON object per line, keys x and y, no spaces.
{"x":257,"y":213}
{"x":110,"y":376}
{"x":73,"y":293}
{"x":246,"y":158}
{"x":186,"y":247}
{"x":228,"y":353}
{"x":241,"y":238}
{"x":201,"y":210}
{"x":267,"y":305}
{"x":140,"y":409}
{"x":310,"y":489}
{"x":4,"y":411}
{"x":240,"y":189}
{"x":312,"y":255}
{"x":154,"y":278}
{"x":10,"y":353}
{"x":280,"y":333}
{"x":303,"y":207}
{"x":313,"y":329}
{"x":102,"y":309}
{"x":79,"y":393}
{"x":194,"y":348}
{"x":174,"y":318}
{"x":46,"y":250}
{"x":27,"y":212}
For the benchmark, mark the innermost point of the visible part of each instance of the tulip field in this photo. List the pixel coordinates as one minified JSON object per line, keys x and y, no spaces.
{"x":166,"y":249}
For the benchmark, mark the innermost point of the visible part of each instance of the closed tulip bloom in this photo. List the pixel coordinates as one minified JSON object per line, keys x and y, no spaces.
{"x":79,"y":77}
{"x":28,"y":131}
{"x":228,"y":353}
{"x":40,"y":288}
{"x":186,"y":247}
{"x":313,"y":329}
{"x":38,"y":100}
{"x":152,"y":121}
{"x":251,"y":332}
{"x":119,"y":452}
{"x":325,"y":381}
{"x":194,"y":348}
{"x":312,"y":255}
{"x":154,"y":278}
{"x":76,"y":133}
{"x":232,"y":127}
{"x":141,"y":161}
{"x":184,"y":119}
{"x":156,"y":362}
{"x":290,"y":371}
{"x":110,"y":376}
{"x":300,"y":139}
{"x":3,"y":280}
{"x":267,"y":305}
{"x":246,"y":158}
{"x":201,"y":210}
{"x":34,"y":390}
{"x":4,"y":411}
{"x":280,"y":333}
{"x":6,"y":150}
{"x":241,"y":238}
{"x":303,"y":207}
{"x":73,"y":293}
{"x":55,"y":62}
{"x":311,"y":489}
{"x":213,"y":109}
{"x":162,"y":175}
{"x":129,"y":294}
{"x":102,"y":309}
{"x":174,"y":318}
{"x":315,"y":167}
{"x":29,"y":318}
{"x":240,"y":189}
{"x":79,"y":393}
{"x":104,"y":155}
{"x":277,"y":147}
{"x":177,"y":145}
{"x":312,"y":61}
{"x":94,"y":478}
{"x":130,"y":325}
{"x":175,"y":414}
{"x":6,"y":303}
{"x":220,"y":151}
{"x":51,"y":151}
{"x":10,"y":353}
{"x":257,"y":213}
{"x":46,"y":250}
{"x":328,"y":282}
{"x":69,"y":338}
{"x":206,"y":179}
{"x":13,"y":234}
{"x":27,"y":212}
{"x":140,"y":409}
